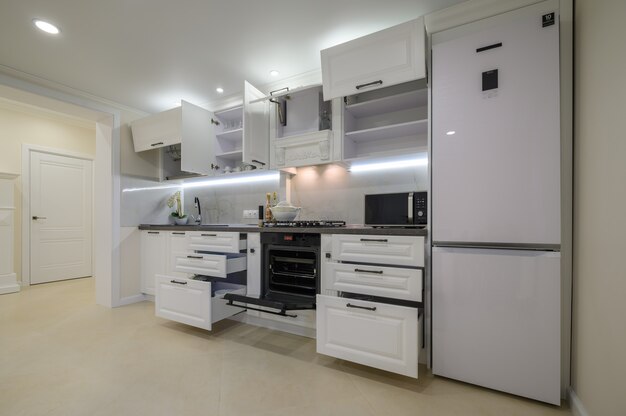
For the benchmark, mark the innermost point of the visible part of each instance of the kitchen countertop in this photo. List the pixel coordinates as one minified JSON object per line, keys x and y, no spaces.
{"x":242,"y":228}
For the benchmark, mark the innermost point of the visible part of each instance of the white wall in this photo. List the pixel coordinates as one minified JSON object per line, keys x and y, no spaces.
{"x":599,"y":304}
{"x":19,"y":125}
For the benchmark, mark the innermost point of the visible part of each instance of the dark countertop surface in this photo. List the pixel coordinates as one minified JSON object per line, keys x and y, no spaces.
{"x":242,"y":228}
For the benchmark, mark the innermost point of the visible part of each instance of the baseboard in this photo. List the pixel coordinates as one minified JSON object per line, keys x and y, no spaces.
{"x":131,"y":299}
{"x":575,"y":404}
{"x":8,"y":284}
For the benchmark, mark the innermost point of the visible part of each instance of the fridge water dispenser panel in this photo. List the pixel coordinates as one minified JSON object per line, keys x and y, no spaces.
{"x":490,"y":80}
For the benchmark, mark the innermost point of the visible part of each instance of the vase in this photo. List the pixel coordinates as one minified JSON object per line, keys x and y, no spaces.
{"x":181,"y":221}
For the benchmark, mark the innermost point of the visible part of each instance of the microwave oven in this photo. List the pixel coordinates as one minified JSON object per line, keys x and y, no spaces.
{"x":406,"y":209}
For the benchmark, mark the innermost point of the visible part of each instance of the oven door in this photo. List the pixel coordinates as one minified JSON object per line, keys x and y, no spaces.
{"x":290,"y":280}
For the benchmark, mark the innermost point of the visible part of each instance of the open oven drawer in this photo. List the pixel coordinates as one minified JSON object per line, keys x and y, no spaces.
{"x":194,"y":302}
{"x":389,"y":282}
{"x":370,"y":333}
{"x":221,"y":242}
{"x":210,"y":264}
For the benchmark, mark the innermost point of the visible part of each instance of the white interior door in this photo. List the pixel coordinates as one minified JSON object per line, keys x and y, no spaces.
{"x":61,"y":217}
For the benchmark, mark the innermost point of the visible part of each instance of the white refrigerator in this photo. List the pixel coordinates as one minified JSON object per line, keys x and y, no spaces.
{"x":496,"y":203}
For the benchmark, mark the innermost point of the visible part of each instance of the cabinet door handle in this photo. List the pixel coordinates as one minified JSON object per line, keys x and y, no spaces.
{"x":153,"y":232}
{"x":195,"y":257}
{"x":208,"y":235}
{"x":367,"y":308}
{"x":369,"y":84}
{"x":368,"y":271}
{"x":156,"y":144}
{"x":178,"y":233}
{"x":177,"y":282}
{"x":39,"y":218}
{"x":258,"y":162}
{"x":374,"y":240}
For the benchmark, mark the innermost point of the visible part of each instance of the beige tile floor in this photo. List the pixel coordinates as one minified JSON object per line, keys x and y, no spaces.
{"x":61,"y":354}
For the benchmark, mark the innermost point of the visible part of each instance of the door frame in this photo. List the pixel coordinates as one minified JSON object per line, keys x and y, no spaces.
{"x":27,"y":150}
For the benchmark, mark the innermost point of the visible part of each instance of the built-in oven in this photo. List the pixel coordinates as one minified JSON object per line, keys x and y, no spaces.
{"x":404,"y":209}
{"x":290,"y":277}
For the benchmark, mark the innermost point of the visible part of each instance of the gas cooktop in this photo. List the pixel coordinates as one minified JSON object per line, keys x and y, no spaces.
{"x":305,"y":223}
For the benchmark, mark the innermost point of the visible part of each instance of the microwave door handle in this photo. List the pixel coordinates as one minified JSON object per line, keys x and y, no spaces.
{"x":410,"y":210}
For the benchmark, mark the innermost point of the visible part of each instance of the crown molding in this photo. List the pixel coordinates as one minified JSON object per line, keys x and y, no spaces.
{"x":36,"y":111}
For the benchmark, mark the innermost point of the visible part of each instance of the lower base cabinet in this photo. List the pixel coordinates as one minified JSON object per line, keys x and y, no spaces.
{"x":370,"y":333}
{"x":194,"y":302}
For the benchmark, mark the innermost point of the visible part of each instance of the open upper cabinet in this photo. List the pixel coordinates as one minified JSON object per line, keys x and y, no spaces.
{"x":388,"y":57}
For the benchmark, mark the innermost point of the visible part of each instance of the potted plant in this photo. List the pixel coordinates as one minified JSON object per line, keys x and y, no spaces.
{"x":179,"y":217}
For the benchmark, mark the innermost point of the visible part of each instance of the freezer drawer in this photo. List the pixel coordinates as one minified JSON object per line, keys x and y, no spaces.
{"x":222,"y":242}
{"x":393,"y":250}
{"x":369,"y":333}
{"x":190,"y":302}
{"x":389,"y":282}
{"x":215,"y":265}
{"x":496,"y":319}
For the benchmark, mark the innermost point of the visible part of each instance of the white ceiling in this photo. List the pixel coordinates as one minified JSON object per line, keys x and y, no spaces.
{"x":150,"y":54}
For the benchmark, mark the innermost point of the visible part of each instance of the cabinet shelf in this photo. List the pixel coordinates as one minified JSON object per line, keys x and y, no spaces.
{"x":389,"y":104}
{"x":411,"y":128}
{"x":234,"y":113}
{"x":231,"y":135}
{"x":233,"y":155}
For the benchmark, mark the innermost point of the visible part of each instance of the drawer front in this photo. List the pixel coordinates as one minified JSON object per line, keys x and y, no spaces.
{"x":215,"y":265}
{"x":381,"y":336}
{"x":394,"y":250}
{"x":178,"y":242}
{"x":183,"y":300}
{"x":389,"y":282}
{"x":221,"y":242}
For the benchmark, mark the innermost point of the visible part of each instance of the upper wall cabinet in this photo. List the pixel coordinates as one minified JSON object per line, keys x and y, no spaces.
{"x":188,"y":125}
{"x":391,"y":56}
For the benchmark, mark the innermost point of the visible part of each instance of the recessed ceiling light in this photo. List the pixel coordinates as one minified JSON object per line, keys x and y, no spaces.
{"x":219,"y":90}
{"x":274,"y":73}
{"x":46,"y":26}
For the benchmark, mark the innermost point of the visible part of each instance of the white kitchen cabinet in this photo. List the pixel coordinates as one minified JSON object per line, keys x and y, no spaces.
{"x":153,"y":258}
{"x":177,"y":245}
{"x":388,"y":282}
{"x":242,"y":132}
{"x":305,"y":130}
{"x":395,"y":250}
{"x":388,"y":122}
{"x":217,"y":241}
{"x":8,"y":278}
{"x":189,"y":126}
{"x":388,"y":57}
{"x":214,"y":265}
{"x":369,"y":333}
{"x":193,"y":302}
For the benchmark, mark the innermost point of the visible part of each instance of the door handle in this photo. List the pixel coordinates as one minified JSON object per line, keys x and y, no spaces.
{"x":39,"y":218}
{"x":177,"y":282}
{"x":374,"y":240}
{"x":156,"y":144}
{"x":367,"y":308}
{"x":368,"y":271}
{"x":208,"y":235}
{"x":369,"y":84}
{"x":195,"y":257}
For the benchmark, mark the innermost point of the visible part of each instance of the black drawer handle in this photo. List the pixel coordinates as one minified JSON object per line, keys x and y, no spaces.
{"x":375,"y":240}
{"x":177,"y":282}
{"x":195,"y":257}
{"x":369,"y":84}
{"x":258,"y":162}
{"x":349,"y":305}
{"x":178,"y":233}
{"x":153,"y":232}
{"x":156,"y":144}
{"x":486,"y":48}
{"x":208,"y":235}
{"x":368,"y":271}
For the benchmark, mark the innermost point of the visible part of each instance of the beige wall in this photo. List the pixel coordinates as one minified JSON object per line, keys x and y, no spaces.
{"x":19,"y":125}
{"x":599,"y":308}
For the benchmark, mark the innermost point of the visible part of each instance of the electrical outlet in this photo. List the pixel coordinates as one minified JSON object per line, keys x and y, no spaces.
{"x":251,"y":213}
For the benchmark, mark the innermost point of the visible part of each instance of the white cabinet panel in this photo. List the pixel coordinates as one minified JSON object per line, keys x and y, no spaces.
{"x":374,"y":334}
{"x":389,"y":282}
{"x":381,"y":59}
{"x":392,"y":250}
{"x":256,"y":128}
{"x":214,"y":265}
{"x":198,"y":138}
{"x":222,"y":242}
{"x":177,"y":245}
{"x":158,"y":130}
{"x":497,"y":178}
{"x":497,"y":320}
{"x":190,"y":302}
{"x":153,"y":258}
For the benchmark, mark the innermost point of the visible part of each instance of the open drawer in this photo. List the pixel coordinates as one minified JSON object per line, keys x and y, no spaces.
{"x":370,"y":333}
{"x":389,"y":282}
{"x":210,"y":264}
{"x":194,"y":302}
{"x":221,"y":242}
